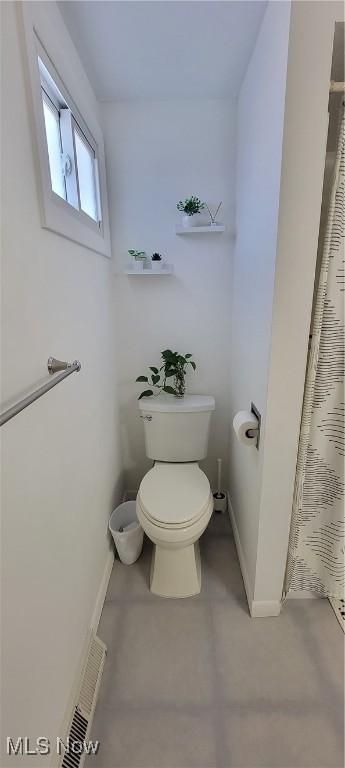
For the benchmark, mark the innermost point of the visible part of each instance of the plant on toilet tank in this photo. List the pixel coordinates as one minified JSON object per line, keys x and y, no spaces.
{"x":174,"y":367}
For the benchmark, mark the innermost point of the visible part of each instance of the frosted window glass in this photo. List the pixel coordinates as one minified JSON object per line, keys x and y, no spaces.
{"x":54,"y":150}
{"x":86,"y":177}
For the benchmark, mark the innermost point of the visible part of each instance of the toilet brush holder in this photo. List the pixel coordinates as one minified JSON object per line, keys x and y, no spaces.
{"x":220,"y":501}
{"x":220,"y":498}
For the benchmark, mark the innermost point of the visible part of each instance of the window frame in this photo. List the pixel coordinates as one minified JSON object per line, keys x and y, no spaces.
{"x":63,"y":66}
{"x":70,"y":120}
{"x":95,"y":175}
{"x":46,"y":99}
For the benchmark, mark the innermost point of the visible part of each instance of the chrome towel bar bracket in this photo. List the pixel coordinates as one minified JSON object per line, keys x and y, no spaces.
{"x":61,"y":369}
{"x":54,"y":365}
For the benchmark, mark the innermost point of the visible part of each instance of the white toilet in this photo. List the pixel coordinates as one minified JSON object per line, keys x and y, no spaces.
{"x":174,"y":502}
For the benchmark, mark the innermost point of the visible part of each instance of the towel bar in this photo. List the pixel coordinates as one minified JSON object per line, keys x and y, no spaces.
{"x":54,"y":367}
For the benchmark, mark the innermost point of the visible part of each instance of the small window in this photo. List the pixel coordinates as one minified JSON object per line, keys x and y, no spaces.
{"x":72,"y":152}
{"x":52,"y":126}
{"x":69,"y":153}
{"x":86,"y":175}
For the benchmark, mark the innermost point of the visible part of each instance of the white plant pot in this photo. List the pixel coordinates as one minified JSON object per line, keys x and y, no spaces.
{"x":190,"y":221}
{"x":138,"y":266}
{"x":157,"y":266}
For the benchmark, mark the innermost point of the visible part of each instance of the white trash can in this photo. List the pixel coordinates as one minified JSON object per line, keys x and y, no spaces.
{"x":127,"y":532}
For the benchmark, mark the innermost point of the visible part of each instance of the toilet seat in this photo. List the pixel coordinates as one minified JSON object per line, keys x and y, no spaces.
{"x":174,"y":496}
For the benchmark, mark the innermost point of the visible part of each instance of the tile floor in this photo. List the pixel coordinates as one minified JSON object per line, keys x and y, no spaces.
{"x":197,"y":683}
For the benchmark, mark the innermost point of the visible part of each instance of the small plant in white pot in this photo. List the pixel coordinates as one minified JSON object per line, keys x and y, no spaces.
{"x":191,"y":207}
{"x":156,"y":262}
{"x":140,"y":259}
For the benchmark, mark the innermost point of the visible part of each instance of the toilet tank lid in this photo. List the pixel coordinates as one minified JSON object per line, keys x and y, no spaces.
{"x":171,"y":404}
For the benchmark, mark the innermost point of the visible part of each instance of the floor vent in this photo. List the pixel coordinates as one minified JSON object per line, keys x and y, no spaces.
{"x":339,"y":610}
{"x":80,"y":726}
{"x":77,"y":734}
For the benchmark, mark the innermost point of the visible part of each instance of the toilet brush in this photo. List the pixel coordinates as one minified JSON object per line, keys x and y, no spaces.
{"x":220,"y":500}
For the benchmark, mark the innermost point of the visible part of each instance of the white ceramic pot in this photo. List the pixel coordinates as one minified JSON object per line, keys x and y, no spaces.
{"x":138,"y":265}
{"x":157,"y":266}
{"x":188,"y":221}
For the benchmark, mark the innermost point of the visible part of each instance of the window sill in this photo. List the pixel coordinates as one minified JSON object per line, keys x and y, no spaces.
{"x":60,"y":217}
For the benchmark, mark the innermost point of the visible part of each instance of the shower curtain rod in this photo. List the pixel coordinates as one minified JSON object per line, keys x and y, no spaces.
{"x":337,"y":87}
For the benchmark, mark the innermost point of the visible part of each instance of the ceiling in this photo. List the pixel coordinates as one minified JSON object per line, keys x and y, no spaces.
{"x":164,"y":49}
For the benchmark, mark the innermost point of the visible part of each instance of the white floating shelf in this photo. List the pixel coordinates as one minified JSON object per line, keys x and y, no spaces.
{"x":166,"y":270}
{"x":198,"y":230}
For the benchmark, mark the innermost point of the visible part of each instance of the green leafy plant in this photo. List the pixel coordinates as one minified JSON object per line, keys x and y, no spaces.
{"x":174,"y":366}
{"x":138,"y":255}
{"x":190,"y":206}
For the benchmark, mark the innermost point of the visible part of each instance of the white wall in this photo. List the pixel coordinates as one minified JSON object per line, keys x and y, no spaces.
{"x":304,"y":149}
{"x":275,"y":258}
{"x":60,"y":457}
{"x":157,"y":153}
{"x":260,"y":133}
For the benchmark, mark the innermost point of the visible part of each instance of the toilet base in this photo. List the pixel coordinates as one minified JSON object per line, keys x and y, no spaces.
{"x":176,"y":572}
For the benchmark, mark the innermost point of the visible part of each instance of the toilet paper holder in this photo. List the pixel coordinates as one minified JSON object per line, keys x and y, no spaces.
{"x":255,"y":432}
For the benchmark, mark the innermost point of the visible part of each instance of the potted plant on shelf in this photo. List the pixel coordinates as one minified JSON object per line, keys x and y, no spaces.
{"x":174,"y":366}
{"x":191,"y":206}
{"x":156,"y":262}
{"x":140,"y":259}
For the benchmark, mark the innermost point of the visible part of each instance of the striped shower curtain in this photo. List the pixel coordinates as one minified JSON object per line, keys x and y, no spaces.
{"x":316,"y":546}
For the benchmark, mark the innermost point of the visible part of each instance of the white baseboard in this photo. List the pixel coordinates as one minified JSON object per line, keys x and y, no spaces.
{"x":240,"y":554}
{"x":261,"y":609}
{"x":257,"y":608}
{"x":96,"y":615}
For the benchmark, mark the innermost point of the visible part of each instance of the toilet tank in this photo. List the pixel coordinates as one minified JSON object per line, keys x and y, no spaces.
{"x":176,"y":429}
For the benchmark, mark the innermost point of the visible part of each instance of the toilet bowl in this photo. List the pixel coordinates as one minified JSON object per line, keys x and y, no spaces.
{"x":174,"y":502}
{"x":174,"y":506}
